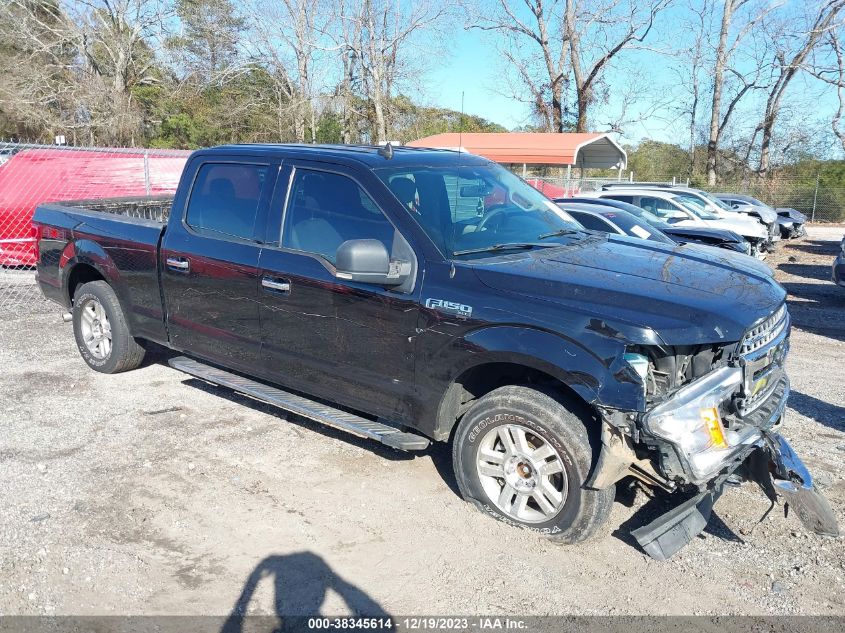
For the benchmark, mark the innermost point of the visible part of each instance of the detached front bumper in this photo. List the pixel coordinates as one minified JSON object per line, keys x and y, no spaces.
{"x":779,"y":472}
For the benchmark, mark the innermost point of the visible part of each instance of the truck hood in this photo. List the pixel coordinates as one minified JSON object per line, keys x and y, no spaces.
{"x":684,"y":295}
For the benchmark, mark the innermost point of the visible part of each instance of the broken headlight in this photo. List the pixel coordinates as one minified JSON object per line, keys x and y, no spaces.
{"x":692,"y":421}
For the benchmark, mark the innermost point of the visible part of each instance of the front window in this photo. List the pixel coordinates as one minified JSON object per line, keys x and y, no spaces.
{"x":477,"y":207}
{"x":664,"y":209}
{"x":326,"y":209}
{"x":719,"y":203}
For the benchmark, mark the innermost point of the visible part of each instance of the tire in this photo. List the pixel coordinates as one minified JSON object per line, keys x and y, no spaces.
{"x":553,"y":440}
{"x":101,"y":332}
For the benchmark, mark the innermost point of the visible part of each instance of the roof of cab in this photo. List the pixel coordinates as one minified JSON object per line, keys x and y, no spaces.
{"x":365,"y":154}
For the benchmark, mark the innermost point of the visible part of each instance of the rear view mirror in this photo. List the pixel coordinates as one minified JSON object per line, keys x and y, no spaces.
{"x":367,"y":261}
{"x":475,"y":191}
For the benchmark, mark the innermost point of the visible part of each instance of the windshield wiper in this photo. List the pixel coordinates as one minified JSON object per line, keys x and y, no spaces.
{"x":560,"y":233}
{"x":501,"y":247}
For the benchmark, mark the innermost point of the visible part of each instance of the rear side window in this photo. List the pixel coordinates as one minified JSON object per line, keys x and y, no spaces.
{"x":628,"y":199}
{"x":225,"y":199}
{"x":592,"y":222}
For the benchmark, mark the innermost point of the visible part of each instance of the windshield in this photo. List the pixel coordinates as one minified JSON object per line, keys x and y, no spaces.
{"x":477,"y":208}
{"x":695,"y":205}
{"x":636,"y":226}
{"x":719,"y":203}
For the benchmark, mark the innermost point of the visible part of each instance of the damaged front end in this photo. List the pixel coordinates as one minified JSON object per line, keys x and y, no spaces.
{"x":709,"y":422}
{"x":779,"y":472}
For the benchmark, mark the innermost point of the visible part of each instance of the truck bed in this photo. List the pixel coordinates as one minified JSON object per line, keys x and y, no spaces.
{"x":154,"y":208}
{"x":117,"y":237}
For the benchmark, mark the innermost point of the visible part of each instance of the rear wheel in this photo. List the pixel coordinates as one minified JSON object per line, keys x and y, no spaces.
{"x":522,"y":457}
{"x":101,"y":332}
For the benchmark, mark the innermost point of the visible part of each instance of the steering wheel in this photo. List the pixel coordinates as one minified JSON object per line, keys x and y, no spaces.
{"x":494,"y":211}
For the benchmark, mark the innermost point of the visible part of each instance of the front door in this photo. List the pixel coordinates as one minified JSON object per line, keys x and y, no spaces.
{"x":209,"y":261}
{"x":348,"y":342}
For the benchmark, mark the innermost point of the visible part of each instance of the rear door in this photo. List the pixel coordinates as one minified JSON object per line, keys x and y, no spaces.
{"x":348,"y":342}
{"x":209,"y":259}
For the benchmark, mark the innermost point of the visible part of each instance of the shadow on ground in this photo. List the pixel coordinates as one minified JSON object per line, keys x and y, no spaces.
{"x":300,"y":583}
{"x":827,"y":413}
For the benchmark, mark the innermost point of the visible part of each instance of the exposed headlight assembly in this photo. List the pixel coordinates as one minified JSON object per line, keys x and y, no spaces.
{"x":691,"y":420}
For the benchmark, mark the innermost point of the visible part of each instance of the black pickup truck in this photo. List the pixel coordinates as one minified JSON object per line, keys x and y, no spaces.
{"x":411,"y":295}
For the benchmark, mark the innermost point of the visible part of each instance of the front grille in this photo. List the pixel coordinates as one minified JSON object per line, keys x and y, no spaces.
{"x":762,"y":334}
{"x":763,"y":350}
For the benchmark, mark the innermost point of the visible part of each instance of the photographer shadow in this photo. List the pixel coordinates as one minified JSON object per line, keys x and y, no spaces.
{"x":300,"y":583}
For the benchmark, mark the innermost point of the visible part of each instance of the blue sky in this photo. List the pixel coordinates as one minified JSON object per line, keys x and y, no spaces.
{"x":474,"y":68}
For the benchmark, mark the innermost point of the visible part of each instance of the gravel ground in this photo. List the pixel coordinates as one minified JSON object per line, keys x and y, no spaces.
{"x":152,"y":493}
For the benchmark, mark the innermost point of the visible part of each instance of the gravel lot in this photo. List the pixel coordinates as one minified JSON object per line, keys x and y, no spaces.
{"x":152,"y":493}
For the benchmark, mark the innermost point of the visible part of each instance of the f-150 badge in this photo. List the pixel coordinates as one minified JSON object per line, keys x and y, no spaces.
{"x":450,"y":307}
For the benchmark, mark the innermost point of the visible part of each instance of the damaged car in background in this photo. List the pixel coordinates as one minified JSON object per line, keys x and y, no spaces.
{"x":413,"y":296}
{"x":790,"y":221}
{"x":701,"y":235}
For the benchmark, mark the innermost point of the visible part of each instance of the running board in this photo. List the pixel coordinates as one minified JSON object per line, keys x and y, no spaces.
{"x":349,"y":422}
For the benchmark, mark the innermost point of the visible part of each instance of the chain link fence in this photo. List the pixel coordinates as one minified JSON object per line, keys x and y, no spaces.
{"x":31,"y":174}
{"x":818,"y":201}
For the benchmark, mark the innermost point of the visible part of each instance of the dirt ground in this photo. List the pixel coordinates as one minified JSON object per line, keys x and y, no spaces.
{"x":152,"y":493}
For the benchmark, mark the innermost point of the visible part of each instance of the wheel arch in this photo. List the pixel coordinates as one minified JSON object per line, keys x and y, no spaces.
{"x":507,"y":355}
{"x":83,"y":261}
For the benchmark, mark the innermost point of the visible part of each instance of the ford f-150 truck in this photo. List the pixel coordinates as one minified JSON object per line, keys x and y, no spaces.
{"x":411,"y":296}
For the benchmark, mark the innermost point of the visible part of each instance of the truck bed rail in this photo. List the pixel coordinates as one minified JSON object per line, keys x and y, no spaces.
{"x":155,"y":208}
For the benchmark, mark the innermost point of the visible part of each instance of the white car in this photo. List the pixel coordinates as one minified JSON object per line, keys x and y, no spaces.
{"x":684,"y":209}
{"x":698,"y":200}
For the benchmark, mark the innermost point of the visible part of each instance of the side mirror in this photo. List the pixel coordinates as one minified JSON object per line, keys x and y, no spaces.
{"x":368,"y":262}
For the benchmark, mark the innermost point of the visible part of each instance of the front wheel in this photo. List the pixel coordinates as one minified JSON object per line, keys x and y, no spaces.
{"x":101,"y":332}
{"x":523,"y":458}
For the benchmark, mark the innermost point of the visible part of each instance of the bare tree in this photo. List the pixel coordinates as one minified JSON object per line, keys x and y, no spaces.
{"x":290,"y":35}
{"x":793,"y":42}
{"x":119,"y":38}
{"x":832,"y":72}
{"x":731,"y":71}
{"x":74,"y":65}
{"x":596,"y":32}
{"x":387,"y":41}
{"x":535,"y":49}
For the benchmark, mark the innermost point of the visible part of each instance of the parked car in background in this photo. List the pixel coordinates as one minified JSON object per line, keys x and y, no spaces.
{"x":700,"y":200}
{"x":790,"y":221}
{"x":838,"y":273}
{"x":606,"y":219}
{"x":677,"y":210}
{"x":42,"y":174}
{"x":614,"y":221}
{"x":704,"y":235}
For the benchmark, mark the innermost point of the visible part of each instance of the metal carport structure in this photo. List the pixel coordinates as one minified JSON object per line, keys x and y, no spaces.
{"x":585,"y":150}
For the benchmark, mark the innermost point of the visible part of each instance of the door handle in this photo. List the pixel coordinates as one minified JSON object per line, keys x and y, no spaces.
{"x":276,"y":285}
{"x":179,"y":264}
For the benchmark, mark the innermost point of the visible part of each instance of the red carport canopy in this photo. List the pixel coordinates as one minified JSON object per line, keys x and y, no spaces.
{"x":586,"y":150}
